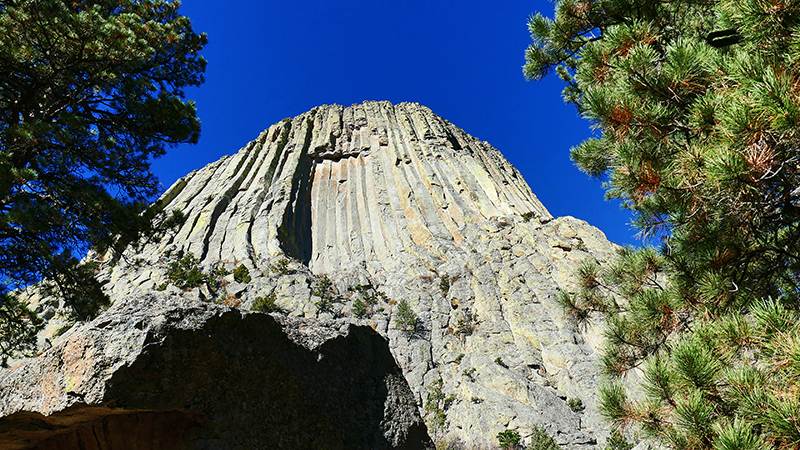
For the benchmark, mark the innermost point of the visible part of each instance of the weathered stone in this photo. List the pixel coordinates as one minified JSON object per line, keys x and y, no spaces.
{"x":158,"y":371}
{"x":393,"y":198}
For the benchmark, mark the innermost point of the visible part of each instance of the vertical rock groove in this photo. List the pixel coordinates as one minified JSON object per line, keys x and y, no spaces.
{"x":343,"y":186}
{"x":295,"y":231}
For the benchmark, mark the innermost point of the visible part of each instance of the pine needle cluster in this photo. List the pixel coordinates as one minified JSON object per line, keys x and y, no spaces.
{"x":697,"y":107}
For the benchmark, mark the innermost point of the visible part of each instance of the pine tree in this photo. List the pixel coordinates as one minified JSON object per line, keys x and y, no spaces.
{"x":90,"y":91}
{"x":697,"y":104}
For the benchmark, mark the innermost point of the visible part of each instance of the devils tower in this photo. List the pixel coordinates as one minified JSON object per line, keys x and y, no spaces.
{"x":388,"y":217}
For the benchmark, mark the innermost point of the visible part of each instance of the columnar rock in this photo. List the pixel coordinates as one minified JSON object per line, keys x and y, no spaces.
{"x":374,"y":186}
{"x":353,"y":213}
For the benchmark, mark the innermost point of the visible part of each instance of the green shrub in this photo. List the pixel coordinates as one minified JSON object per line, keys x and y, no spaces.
{"x":325,"y":304}
{"x":499,"y":361}
{"x":436,"y":405}
{"x":281,"y":267}
{"x":220,"y":271}
{"x":575,"y":404}
{"x":469,"y":374}
{"x":509,"y":439}
{"x":445,"y":442}
{"x":323,"y":289}
{"x":369,"y":294}
{"x":62,"y":329}
{"x":359,"y":308}
{"x":540,"y":440}
{"x":444,"y":284}
{"x":185,"y":272}
{"x":406,"y":318}
{"x":241,"y":274}
{"x":266,"y":304}
{"x":466,"y":325}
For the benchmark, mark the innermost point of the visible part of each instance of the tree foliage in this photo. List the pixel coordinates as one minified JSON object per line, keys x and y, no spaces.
{"x":406,"y":317}
{"x":90,"y":91}
{"x":697,"y":108}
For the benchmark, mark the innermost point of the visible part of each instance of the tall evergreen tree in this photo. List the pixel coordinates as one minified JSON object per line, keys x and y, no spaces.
{"x":90,"y":91}
{"x":697,"y":104}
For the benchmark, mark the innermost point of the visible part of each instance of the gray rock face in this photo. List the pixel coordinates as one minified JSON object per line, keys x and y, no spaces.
{"x":159,"y":371}
{"x":372,"y":186}
{"x":344,"y":214}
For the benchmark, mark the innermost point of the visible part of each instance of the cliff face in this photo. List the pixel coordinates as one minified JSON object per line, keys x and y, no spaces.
{"x":373,"y":186}
{"x":349,"y":214}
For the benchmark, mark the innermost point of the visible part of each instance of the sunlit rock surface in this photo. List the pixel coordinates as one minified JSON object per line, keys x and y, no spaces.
{"x":387,"y":201}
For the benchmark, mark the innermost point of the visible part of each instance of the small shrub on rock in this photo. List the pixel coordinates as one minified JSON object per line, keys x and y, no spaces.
{"x":230,"y":300}
{"x":266,"y":304}
{"x":241,"y":274}
{"x":369,"y":294}
{"x":62,"y":329}
{"x":437,"y":404}
{"x":451,"y":443}
{"x":575,"y":404}
{"x":541,"y":440}
{"x":324,"y":290}
{"x":406,"y":318}
{"x":469,"y":374}
{"x":323,"y":287}
{"x":185,"y":272}
{"x":220,"y":271}
{"x":466,"y":325}
{"x":281,"y":267}
{"x":616,"y":441}
{"x":359,"y":308}
{"x":509,"y":439}
{"x":444,"y":284}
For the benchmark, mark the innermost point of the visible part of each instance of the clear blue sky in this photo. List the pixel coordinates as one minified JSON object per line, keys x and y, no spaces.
{"x":270,"y":60}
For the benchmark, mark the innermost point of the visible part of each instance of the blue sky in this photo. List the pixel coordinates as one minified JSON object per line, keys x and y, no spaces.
{"x":270,"y":60}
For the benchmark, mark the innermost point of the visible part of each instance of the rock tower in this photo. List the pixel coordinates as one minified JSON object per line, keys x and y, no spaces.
{"x":389,"y":216}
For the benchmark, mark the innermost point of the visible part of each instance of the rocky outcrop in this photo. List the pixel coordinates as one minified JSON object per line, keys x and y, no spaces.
{"x":159,"y":371}
{"x":350,"y":214}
